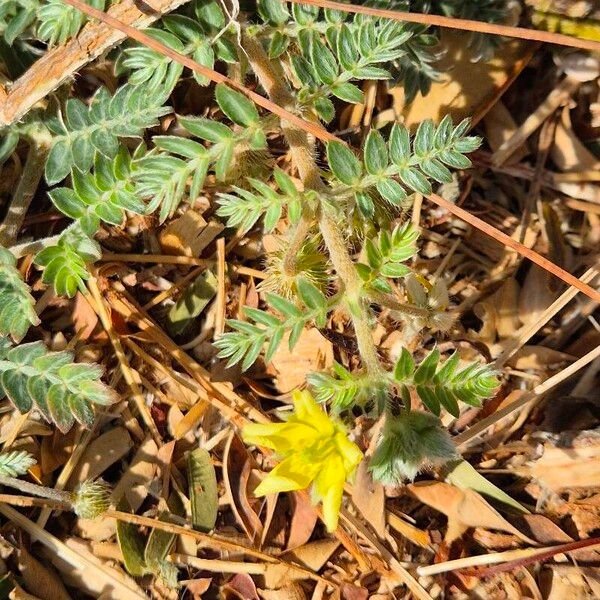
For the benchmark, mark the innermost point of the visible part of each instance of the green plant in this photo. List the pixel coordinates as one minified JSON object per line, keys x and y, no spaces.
{"x":15,"y":463}
{"x":51,"y":21}
{"x":344,"y":246}
{"x":17,"y":312}
{"x":63,"y":391}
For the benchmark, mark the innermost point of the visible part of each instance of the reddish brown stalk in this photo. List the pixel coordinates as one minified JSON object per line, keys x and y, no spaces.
{"x":539,"y":557}
{"x":501,"y":237}
{"x":322,"y":134}
{"x":215,"y":76}
{"x":521,"y":33}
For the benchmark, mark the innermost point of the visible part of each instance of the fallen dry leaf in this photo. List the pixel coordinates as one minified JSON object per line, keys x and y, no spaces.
{"x":464,"y":508}
{"x":369,"y":498}
{"x":40,"y":579}
{"x":136,"y":478}
{"x":311,"y":353}
{"x":563,"y":468}
{"x":104,"y":451}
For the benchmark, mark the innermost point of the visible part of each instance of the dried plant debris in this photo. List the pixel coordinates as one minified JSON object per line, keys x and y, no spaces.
{"x":269,"y":322}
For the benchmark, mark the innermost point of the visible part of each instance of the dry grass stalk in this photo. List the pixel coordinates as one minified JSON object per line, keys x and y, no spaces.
{"x":97,"y":303}
{"x":520,"y":33}
{"x":462,"y":438}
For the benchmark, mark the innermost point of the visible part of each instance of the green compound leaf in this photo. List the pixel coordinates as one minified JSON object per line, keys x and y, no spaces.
{"x":63,"y":391}
{"x":246,"y":341}
{"x":82,"y":130}
{"x":15,"y":463}
{"x":104,"y":195}
{"x":445,"y":384}
{"x":343,"y":163}
{"x":17,"y":307}
{"x":236,"y":106}
{"x":65,"y":264}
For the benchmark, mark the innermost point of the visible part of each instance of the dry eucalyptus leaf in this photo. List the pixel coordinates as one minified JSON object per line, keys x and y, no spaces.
{"x":464,"y":508}
{"x":40,"y":579}
{"x":311,"y":353}
{"x":100,"y":454}
{"x":564,"y":468}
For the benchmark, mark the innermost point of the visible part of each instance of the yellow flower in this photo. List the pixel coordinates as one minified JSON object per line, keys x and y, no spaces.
{"x":314,"y":450}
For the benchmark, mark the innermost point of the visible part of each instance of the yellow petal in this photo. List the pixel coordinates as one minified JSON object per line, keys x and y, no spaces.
{"x":349,"y":452}
{"x":290,"y":474}
{"x":281,"y":437}
{"x":309,"y":412}
{"x":329,"y":486}
{"x":262,"y":434}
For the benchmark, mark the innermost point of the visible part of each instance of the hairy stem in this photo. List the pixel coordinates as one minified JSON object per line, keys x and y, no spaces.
{"x":299,"y":237}
{"x":359,"y":312}
{"x":34,"y":247}
{"x":28,"y":184}
{"x":271,"y":77}
{"x":388,"y":301}
{"x":35,"y":490}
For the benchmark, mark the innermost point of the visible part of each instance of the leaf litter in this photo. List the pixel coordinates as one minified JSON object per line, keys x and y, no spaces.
{"x":528,"y":483}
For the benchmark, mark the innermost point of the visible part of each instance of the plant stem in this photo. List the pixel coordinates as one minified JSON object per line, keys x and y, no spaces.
{"x":299,"y":237}
{"x":272,"y":78}
{"x":28,"y":184}
{"x":388,"y":301}
{"x":338,"y":252}
{"x":34,"y":247}
{"x":36,"y":490}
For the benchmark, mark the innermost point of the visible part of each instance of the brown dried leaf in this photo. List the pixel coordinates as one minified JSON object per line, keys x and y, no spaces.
{"x":92,"y":575}
{"x":197,"y":587}
{"x":104,"y":451}
{"x":568,"y":153}
{"x":313,"y":555}
{"x":303,"y":521}
{"x":293,"y":591}
{"x":369,"y":498}
{"x":40,"y":579}
{"x":538,"y":358}
{"x":242,"y":585}
{"x":499,"y":127}
{"x":469,"y":88}
{"x":463,"y":507}
{"x":563,"y":468}
{"x":136,"y":478}
{"x":84,"y":317}
{"x":312,"y":353}
{"x":189,"y":234}
{"x":237,"y":465}
{"x":353,"y":592}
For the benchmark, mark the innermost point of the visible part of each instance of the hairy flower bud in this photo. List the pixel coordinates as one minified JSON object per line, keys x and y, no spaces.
{"x":410,"y":443}
{"x":91,"y":499}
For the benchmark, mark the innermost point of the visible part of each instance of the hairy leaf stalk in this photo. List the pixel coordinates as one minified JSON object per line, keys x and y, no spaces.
{"x":302,"y":150}
{"x":35,"y":490}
